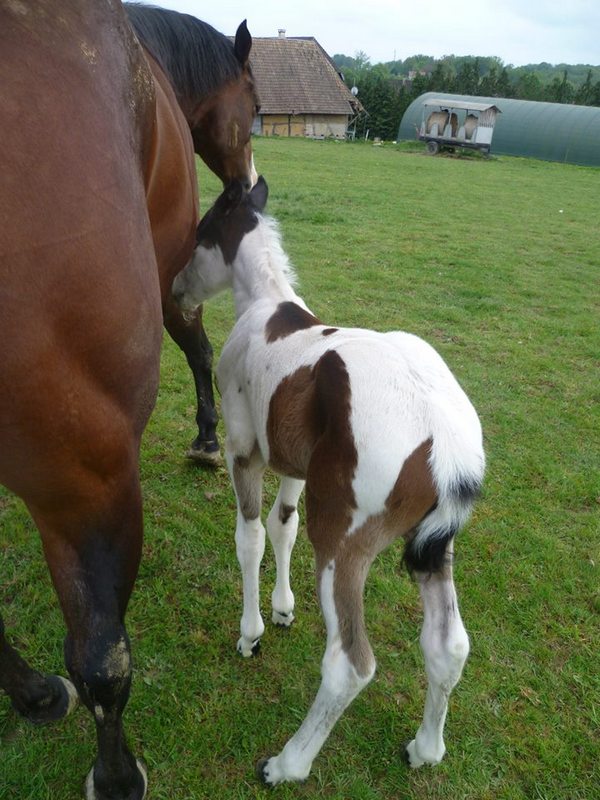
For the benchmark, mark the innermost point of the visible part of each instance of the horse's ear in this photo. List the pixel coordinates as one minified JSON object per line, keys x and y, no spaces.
{"x":243,"y":44}
{"x":259,"y":194}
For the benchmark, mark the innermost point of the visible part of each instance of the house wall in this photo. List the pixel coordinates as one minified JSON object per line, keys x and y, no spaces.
{"x":316,"y":126}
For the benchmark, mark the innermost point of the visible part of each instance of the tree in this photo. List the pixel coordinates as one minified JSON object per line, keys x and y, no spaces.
{"x":585,"y":93}
{"x":561,"y":91}
{"x":505,"y":88}
{"x":440,"y":79}
{"x":467,"y":77}
{"x":488,"y":85}
{"x":528,"y":87}
{"x":361,"y":60}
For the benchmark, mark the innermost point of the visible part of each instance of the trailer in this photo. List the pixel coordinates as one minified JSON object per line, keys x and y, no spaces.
{"x":455,"y":123}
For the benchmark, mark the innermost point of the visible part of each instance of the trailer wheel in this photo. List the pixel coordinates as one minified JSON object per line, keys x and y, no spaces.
{"x":433,"y":148}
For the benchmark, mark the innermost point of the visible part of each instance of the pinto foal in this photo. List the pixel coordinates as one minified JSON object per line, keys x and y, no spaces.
{"x":386,"y":440}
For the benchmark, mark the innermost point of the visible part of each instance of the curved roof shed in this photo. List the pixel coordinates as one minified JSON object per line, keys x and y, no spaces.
{"x":548,"y":131}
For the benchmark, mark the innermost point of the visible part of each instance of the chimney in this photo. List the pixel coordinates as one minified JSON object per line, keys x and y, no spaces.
{"x":281,"y":32}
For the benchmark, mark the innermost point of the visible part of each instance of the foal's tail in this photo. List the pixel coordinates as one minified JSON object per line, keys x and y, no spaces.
{"x":457,"y":471}
{"x":426,"y":551}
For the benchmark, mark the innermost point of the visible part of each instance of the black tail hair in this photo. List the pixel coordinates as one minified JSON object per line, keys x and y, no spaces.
{"x":430,"y":556}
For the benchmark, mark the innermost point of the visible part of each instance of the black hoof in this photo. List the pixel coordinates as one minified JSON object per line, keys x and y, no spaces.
{"x":260,"y":771}
{"x":405,"y":755}
{"x":58,"y":699}
{"x":138,"y":792}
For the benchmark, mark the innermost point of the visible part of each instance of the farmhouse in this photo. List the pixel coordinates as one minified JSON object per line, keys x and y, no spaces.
{"x":548,"y":131}
{"x":300,"y":89}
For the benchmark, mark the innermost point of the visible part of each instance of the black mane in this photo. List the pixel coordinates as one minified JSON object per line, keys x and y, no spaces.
{"x":196,"y":57}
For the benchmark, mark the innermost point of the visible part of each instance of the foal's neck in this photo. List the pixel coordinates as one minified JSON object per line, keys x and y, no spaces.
{"x":261,"y":270}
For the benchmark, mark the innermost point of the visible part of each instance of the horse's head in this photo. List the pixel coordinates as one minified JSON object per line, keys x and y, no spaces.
{"x":222,"y":123}
{"x":212,"y":81}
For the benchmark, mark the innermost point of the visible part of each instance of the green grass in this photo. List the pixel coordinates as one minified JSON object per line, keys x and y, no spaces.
{"x":495,"y":262}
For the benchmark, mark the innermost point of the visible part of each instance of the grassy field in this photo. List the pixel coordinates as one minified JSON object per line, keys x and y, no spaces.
{"x":496,"y":263}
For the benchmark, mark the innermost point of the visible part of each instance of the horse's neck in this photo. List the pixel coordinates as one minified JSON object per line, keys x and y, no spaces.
{"x":261,"y":271}
{"x":170,"y":180}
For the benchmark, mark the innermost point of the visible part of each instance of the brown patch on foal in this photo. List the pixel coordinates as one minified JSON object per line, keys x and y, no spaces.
{"x":285,"y":512}
{"x":292,"y":424}
{"x":308,"y":429}
{"x":289,"y":318}
{"x":330,"y":500}
{"x":414,"y":493}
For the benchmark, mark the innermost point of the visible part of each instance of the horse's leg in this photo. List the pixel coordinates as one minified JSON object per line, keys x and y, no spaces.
{"x":282,"y":527}
{"x":445,"y":646}
{"x":190,"y":336}
{"x":39,"y":698}
{"x":347,"y":667}
{"x":246,"y":474}
{"x":93,"y":545}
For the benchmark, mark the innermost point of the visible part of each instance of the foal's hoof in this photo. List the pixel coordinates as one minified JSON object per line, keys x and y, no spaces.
{"x":248,"y":649}
{"x":137,"y":793}
{"x":205,"y":453}
{"x":261,"y":771}
{"x":416,"y":759}
{"x":410,"y":756}
{"x":61,"y":699}
{"x":270,"y":771}
{"x":281,"y":619}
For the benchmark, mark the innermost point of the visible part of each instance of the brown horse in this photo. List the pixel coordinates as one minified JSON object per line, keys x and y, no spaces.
{"x":213,"y":85}
{"x":98,"y":201}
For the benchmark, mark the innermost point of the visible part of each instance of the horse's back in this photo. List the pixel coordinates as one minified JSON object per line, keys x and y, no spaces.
{"x":80,"y":317}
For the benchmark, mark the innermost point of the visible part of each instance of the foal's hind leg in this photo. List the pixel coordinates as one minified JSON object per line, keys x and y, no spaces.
{"x":445,"y":645}
{"x":282,"y":527}
{"x":92,"y":544}
{"x":190,"y":336}
{"x":348,"y":666}
{"x":39,"y":698}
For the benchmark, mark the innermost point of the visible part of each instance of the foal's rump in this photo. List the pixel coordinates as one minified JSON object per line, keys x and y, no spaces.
{"x":378,"y":424}
{"x":417,"y":436}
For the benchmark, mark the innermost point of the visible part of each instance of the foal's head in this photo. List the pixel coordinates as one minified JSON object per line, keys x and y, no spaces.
{"x":235,"y":213}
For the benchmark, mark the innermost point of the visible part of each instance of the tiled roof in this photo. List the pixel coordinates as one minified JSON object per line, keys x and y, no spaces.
{"x":296,"y":76}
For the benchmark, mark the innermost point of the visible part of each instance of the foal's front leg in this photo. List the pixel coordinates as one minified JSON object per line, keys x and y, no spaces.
{"x":445,"y":646}
{"x":246,"y":473}
{"x":282,"y":527}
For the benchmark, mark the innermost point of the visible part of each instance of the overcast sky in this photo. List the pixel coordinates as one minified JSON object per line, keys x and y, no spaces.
{"x":517,"y":31}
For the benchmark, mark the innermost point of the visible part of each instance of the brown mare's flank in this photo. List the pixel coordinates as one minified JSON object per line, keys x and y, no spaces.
{"x":98,"y":202}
